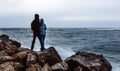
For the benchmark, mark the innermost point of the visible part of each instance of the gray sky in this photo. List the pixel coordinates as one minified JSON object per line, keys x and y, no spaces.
{"x":61,"y":13}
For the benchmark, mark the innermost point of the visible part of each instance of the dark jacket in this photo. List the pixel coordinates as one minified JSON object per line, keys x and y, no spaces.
{"x":35,"y":25}
{"x":43,"y":29}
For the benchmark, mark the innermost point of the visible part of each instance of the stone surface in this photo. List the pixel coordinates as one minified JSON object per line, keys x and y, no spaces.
{"x":78,"y":69}
{"x":46,"y":67}
{"x":5,"y":58}
{"x":35,"y":67}
{"x":15,"y":58}
{"x":3,"y":53}
{"x":18,"y":66}
{"x":7,"y":66}
{"x":62,"y":66}
{"x":31,"y":59}
{"x":49,"y":56}
{"x":89,"y":62}
{"x":21,"y":55}
{"x":4,"y":37}
{"x":15,"y":43}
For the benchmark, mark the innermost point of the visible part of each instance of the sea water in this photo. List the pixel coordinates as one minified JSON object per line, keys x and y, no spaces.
{"x":68,"y":41}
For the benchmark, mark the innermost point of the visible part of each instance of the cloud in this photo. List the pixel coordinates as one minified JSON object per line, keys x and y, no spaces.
{"x":80,"y":18}
{"x":29,"y":6}
{"x":56,"y":11}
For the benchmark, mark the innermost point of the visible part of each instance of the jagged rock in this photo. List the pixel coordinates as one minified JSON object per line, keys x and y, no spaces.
{"x":23,"y":49}
{"x":35,"y":67}
{"x":5,"y":58}
{"x":1,"y":45}
{"x":78,"y":69}
{"x":46,"y":67}
{"x":10,"y":49}
{"x":31,"y":59}
{"x":15,"y":58}
{"x":4,"y":37}
{"x":21,"y":56}
{"x":11,"y":66}
{"x":62,"y":66}
{"x":49,"y":56}
{"x":15,"y":43}
{"x":7,"y":66}
{"x":89,"y":62}
{"x":18,"y":66}
{"x":3,"y":53}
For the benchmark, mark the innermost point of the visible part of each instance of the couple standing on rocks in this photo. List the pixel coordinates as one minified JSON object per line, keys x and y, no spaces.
{"x":39,"y":30}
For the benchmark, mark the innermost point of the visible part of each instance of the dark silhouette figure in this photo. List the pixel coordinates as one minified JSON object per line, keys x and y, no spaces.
{"x":35,"y":26}
{"x":43,"y":29}
{"x":39,"y":30}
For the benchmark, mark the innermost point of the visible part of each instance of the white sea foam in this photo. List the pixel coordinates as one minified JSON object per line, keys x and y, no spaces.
{"x":64,"y":53}
{"x":115,"y":66}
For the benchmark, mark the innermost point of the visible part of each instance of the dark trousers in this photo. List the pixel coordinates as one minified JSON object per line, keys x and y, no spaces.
{"x":41,"y":39}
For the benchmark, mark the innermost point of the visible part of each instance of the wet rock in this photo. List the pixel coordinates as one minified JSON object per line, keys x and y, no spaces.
{"x":4,"y":37}
{"x":18,"y":66}
{"x":34,"y":67}
{"x":11,"y":66}
{"x":1,"y":45}
{"x":49,"y":56}
{"x":89,"y":62}
{"x":31,"y":59}
{"x":7,"y":66}
{"x":62,"y":66}
{"x":15,"y":43}
{"x":78,"y":69}
{"x":3,"y":53}
{"x":46,"y":67}
{"x":21,"y":57}
{"x":6,"y":58}
{"x":10,"y":50}
{"x":13,"y":57}
{"x":23,"y":49}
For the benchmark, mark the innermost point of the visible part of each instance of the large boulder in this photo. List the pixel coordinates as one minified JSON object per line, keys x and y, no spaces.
{"x":12,"y":42}
{"x":3,"y":53}
{"x":4,"y":37}
{"x":5,"y":58}
{"x":62,"y":66}
{"x":10,"y":50}
{"x":34,"y":67}
{"x":49,"y":56}
{"x":31,"y":59}
{"x":21,"y":56}
{"x":18,"y":66}
{"x":7,"y":66}
{"x":15,"y":43}
{"x":46,"y":67}
{"x":11,"y":66}
{"x":79,"y":68}
{"x":88,"y":62}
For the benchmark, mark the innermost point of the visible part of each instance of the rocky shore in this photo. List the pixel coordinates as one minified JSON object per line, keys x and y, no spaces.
{"x":13,"y":57}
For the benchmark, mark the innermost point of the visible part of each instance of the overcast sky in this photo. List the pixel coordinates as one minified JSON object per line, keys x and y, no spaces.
{"x":60,"y":13}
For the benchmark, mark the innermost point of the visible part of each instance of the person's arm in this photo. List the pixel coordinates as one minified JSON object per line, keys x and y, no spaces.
{"x":45,"y":27}
{"x":32,"y":25}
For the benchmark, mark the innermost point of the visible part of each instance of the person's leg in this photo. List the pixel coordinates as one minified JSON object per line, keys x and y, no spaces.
{"x":41,"y":42}
{"x":32,"y":46}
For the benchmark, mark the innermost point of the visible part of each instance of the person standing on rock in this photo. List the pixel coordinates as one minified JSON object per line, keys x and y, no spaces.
{"x":35,"y":26}
{"x":43,"y":29}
